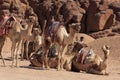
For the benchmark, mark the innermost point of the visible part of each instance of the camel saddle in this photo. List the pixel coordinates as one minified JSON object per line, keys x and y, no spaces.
{"x":83,"y":55}
{"x":5,"y":25}
{"x":52,"y":29}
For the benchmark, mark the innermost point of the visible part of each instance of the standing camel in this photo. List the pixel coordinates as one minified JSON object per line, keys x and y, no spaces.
{"x":61,"y":40}
{"x":26,"y":35}
{"x":16,"y":37}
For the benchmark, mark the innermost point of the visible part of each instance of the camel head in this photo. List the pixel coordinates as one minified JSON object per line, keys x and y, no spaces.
{"x":106,"y":49}
{"x":75,"y":27}
{"x":31,"y":19}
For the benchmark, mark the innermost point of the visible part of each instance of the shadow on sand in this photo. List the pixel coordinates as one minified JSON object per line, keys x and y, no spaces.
{"x":32,"y":67}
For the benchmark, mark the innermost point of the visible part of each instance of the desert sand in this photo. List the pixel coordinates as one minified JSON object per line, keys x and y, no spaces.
{"x":25,"y":72}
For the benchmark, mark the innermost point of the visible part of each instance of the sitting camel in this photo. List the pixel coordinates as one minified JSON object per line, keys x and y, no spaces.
{"x":36,"y":58}
{"x":93,"y":63}
{"x":61,"y":39}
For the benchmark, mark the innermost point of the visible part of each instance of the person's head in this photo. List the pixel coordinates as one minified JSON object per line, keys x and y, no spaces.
{"x":36,"y":31}
{"x":53,"y":19}
{"x":5,"y":12}
{"x":81,"y":38}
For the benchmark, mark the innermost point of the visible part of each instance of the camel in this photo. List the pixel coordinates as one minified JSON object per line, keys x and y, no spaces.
{"x":16,"y":36}
{"x":36,"y":59}
{"x":61,"y":40}
{"x":26,"y":35}
{"x":94,"y":64}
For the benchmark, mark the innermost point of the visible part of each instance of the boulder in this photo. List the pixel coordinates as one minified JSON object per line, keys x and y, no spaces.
{"x":116,"y":8}
{"x":99,"y":17}
{"x":19,"y":8}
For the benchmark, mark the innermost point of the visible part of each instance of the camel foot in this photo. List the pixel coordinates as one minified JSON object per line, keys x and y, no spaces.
{"x":17,"y":66}
{"x":106,"y":74}
{"x":47,"y":68}
{"x":27,"y":59}
{"x":43,"y":68}
{"x":58,"y":69}
{"x":22,"y":59}
{"x":61,"y":69}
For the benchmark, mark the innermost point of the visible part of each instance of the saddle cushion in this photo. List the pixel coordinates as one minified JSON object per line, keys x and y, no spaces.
{"x":81,"y":56}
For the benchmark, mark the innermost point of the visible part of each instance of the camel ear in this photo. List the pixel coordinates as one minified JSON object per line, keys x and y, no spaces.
{"x":106,"y":47}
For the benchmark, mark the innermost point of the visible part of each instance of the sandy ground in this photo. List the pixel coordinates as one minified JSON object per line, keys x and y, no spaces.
{"x":29,"y":73}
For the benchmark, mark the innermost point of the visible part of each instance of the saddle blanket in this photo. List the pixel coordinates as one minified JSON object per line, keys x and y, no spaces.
{"x":5,"y":25}
{"x":52,"y":29}
{"x":83,"y":54}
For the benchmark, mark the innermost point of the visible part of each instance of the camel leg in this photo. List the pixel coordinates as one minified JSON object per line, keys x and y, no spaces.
{"x":2,"y":40}
{"x":13,"y":52}
{"x":68,"y":62}
{"x":46,"y":61}
{"x":59,"y":57}
{"x":26,"y":49}
{"x":2,"y":58}
{"x":43,"y":62}
{"x":62,"y":57}
{"x":43,"y":58}
{"x":22,"y":49}
{"x":17,"y":53}
{"x":58,"y":68}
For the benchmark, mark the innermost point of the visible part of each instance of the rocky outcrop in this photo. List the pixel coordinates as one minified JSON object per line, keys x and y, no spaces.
{"x":18,"y":8}
{"x":72,"y":12}
{"x":116,"y":8}
{"x":99,"y":16}
{"x":114,"y":31}
{"x":94,"y":15}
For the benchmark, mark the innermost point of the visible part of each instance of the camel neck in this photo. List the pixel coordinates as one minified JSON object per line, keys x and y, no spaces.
{"x":71,"y":36}
{"x":29,"y":30}
{"x":106,"y":57}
